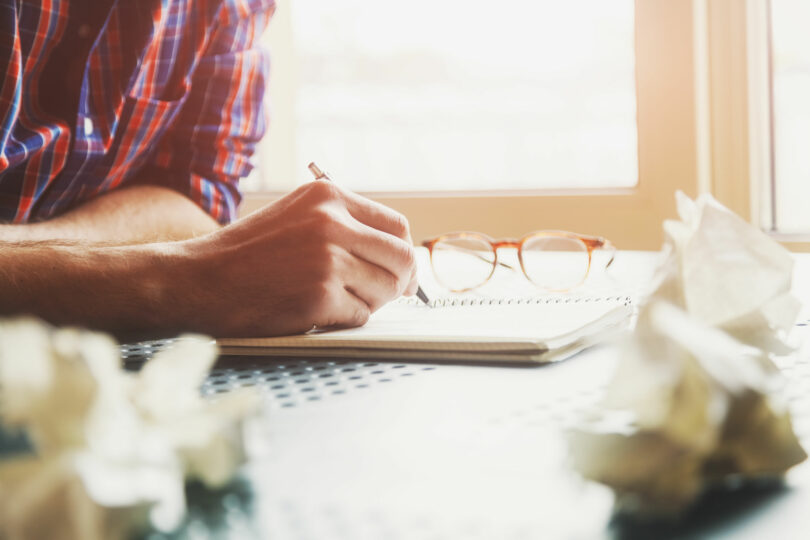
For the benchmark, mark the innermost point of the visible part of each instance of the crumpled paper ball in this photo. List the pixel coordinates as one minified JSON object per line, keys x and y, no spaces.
{"x":696,"y":399}
{"x":112,"y":448}
{"x":727,"y":273}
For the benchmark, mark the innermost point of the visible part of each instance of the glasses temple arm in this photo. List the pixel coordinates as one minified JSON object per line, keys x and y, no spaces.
{"x":608,"y":245}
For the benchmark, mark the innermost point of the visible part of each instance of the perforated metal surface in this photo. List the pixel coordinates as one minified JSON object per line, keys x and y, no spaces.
{"x":460,"y":452}
{"x":428,"y":451}
{"x":483,"y":437}
{"x":137,"y":353}
{"x":566,"y":411}
{"x":286,"y":385}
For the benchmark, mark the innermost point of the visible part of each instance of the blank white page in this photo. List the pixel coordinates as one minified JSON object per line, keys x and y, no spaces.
{"x":407,"y":324}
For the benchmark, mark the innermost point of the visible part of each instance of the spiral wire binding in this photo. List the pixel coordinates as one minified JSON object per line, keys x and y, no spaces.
{"x":528,"y":300}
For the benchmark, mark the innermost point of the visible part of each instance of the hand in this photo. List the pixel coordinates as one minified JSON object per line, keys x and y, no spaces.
{"x":320,"y":256}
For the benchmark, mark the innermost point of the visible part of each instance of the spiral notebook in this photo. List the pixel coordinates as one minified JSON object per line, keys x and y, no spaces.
{"x":512,"y":330}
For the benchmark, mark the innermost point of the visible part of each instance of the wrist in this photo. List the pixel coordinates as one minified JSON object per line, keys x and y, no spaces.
{"x":166,"y":282}
{"x":179,"y":286}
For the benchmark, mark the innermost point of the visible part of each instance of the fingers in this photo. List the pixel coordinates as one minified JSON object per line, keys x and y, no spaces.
{"x":371,"y":231}
{"x":355,"y":289}
{"x":378,"y":216}
{"x":371,"y":213}
{"x":392,"y":254}
{"x":345,"y":289}
{"x":370,"y":283}
{"x":411,"y":283}
{"x":334,"y":257}
{"x":345,"y":311}
{"x":379,"y":249}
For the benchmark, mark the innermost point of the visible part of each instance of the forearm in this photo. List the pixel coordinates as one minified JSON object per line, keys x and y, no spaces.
{"x":130,"y":290}
{"x":319,"y":256}
{"x":138,"y":214}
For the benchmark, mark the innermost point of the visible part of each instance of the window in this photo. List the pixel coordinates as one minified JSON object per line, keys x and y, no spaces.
{"x":504,"y":117}
{"x":449,"y":96}
{"x":791,"y":115}
{"x":756,"y":57}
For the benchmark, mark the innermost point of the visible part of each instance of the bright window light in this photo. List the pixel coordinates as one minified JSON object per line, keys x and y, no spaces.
{"x":452,"y":95}
{"x":791,"y":111}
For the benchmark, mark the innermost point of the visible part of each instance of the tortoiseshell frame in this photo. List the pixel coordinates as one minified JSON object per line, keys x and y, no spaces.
{"x":590,"y":243}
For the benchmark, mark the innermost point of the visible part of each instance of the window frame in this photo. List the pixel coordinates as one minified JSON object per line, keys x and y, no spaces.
{"x":740,"y":101}
{"x":740,"y":139}
{"x":673,"y":90}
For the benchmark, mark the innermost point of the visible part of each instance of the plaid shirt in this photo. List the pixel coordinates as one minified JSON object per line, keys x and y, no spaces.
{"x":171,"y":95}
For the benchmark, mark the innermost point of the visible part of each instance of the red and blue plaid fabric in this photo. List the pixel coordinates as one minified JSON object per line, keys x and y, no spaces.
{"x":171,"y":95}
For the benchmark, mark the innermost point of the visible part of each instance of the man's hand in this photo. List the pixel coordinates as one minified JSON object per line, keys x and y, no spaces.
{"x":321,"y":256}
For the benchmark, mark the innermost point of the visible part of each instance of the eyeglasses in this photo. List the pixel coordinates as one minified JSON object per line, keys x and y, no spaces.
{"x":555,"y":261}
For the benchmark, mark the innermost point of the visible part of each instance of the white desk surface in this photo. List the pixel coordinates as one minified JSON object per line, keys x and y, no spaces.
{"x":388,"y":451}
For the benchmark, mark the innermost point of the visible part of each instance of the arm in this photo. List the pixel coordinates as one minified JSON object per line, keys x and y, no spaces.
{"x":137,"y":214}
{"x":120,"y":289}
{"x":319,"y":256}
{"x":199,"y":159}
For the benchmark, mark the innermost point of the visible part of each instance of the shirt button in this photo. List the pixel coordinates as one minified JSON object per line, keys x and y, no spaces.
{"x":88,"y":126}
{"x":84,"y":31}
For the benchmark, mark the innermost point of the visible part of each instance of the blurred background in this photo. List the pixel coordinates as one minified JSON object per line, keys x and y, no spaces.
{"x":791,"y":114}
{"x":584,"y":114}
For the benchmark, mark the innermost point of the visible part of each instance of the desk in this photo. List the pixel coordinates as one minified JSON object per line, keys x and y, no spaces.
{"x":416,"y":451}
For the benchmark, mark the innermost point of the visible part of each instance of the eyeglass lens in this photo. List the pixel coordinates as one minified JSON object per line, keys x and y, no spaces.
{"x":555,"y":262}
{"x":462,"y":262}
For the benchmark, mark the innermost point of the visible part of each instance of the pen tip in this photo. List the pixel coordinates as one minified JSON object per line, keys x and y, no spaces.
{"x":422,"y":296}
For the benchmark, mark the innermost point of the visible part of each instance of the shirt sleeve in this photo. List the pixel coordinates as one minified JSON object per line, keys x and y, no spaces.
{"x":209,"y":146}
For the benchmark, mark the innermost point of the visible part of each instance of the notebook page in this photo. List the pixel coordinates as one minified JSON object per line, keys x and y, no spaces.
{"x":491,"y":321}
{"x":471,"y":324}
{"x":507,"y":319}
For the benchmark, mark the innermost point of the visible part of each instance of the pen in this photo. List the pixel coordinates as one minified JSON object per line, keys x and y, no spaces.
{"x":320,"y":175}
